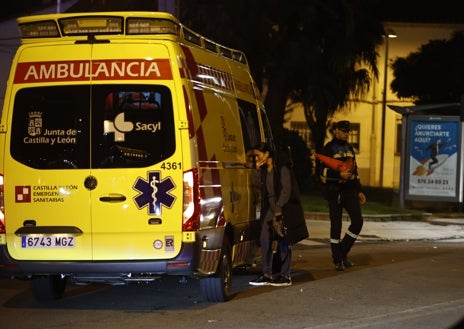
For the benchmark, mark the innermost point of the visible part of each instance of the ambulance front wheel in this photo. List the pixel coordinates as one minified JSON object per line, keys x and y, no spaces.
{"x":48,"y":287}
{"x":218,"y":288}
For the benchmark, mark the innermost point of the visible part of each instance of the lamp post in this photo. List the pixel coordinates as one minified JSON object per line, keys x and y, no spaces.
{"x":389,"y":33}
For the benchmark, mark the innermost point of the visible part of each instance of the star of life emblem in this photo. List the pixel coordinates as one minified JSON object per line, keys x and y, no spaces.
{"x":154,"y":193}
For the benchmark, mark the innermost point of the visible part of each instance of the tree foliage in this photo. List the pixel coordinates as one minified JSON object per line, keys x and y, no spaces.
{"x":433,"y":74}
{"x":321,"y":53}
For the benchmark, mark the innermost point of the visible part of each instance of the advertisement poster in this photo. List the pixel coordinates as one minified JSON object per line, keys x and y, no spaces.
{"x":433,"y":170}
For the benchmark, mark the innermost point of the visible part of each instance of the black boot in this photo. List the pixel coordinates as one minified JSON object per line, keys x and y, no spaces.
{"x":337,"y":256}
{"x":345,"y":247}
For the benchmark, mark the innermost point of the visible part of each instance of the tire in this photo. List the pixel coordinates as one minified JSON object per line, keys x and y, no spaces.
{"x":218,"y":288}
{"x":48,"y":288}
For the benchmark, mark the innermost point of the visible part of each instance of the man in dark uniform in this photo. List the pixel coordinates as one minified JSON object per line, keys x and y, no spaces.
{"x":342,"y":189}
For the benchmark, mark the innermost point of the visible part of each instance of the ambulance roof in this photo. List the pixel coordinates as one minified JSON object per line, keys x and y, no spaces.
{"x":75,"y":26}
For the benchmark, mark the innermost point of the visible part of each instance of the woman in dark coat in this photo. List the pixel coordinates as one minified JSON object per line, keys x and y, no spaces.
{"x":280,"y":202}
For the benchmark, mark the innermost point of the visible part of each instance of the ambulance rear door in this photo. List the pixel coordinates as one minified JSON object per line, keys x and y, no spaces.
{"x":136,"y":154}
{"x":47,"y":158}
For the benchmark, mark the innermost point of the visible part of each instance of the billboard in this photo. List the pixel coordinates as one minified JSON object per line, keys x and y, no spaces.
{"x":433,"y":166}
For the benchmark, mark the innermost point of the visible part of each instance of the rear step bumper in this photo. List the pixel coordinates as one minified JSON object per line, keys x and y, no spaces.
{"x":183,"y":264}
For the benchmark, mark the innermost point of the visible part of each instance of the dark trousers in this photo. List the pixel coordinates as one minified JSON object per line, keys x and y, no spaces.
{"x":284,"y":258}
{"x":346,"y":199}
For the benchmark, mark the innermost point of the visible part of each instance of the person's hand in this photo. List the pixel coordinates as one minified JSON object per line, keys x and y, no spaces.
{"x":260,"y":162}
{"x":362,"y":198}
{"x":346,"y":174}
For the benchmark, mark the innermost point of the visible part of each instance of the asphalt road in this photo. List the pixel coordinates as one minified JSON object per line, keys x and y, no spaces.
{"x":395,"y":284}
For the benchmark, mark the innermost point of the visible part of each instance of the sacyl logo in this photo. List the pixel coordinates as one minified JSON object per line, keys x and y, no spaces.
{"x":118,"y":127}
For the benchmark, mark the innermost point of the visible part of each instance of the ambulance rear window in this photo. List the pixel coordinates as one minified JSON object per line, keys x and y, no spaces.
{"x":82,"y":127}
{"x":138,"y":126}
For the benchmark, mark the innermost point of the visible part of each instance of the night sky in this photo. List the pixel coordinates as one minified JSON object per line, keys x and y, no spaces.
{"x":443,"y":11}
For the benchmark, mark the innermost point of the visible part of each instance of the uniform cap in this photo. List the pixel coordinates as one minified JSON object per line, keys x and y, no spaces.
{"x":343,"y":125}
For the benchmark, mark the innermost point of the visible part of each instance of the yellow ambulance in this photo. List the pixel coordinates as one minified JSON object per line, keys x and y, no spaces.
{"x":123,"y":140}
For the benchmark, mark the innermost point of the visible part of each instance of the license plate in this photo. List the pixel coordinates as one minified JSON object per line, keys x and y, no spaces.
{"x":48,"y":241}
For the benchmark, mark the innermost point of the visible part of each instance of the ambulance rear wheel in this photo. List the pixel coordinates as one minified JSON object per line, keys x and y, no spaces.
{"x":218,"y":288}
{"x":48,"y":287}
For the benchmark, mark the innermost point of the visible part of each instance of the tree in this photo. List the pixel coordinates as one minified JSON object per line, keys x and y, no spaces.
{"x":433,"y":74}
{"x":342,"y":60}
{"x":321,"y":53}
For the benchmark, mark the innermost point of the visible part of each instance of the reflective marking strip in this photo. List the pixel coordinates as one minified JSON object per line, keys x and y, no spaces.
{"x":334,"y":240}
{"x":354,"y":236}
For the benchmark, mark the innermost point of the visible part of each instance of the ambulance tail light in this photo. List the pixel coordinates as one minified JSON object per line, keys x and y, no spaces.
{"x":2,"y":207}
{"x":191,"y":213}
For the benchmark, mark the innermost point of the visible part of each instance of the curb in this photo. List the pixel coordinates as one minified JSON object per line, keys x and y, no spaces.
{"x":310,"y":215}
{"x":438,"y":219}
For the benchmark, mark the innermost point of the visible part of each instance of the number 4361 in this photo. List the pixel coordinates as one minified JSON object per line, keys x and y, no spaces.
{"x":171,"y":165}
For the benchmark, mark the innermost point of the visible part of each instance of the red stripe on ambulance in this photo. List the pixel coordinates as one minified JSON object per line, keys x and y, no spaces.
{"x":130,"y":69}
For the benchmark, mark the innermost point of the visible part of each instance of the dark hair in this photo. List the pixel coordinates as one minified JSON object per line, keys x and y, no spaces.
{"x":264,"y":147}
{"x":279,"y":157}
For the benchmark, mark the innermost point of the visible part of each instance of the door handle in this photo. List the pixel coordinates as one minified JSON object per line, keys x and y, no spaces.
{"x":113,"y":197}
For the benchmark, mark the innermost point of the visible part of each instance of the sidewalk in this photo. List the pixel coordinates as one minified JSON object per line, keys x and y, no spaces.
{"x":384,"y":228}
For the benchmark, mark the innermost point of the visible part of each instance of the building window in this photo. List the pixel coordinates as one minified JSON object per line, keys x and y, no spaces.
{"x":354,"y":138}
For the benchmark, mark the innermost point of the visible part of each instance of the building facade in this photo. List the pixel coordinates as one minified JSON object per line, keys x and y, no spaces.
{"x":370,"y":114}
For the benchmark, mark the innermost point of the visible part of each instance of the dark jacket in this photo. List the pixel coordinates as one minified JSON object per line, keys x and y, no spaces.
{"x":332,"y":182}
{"x":292,"y":211}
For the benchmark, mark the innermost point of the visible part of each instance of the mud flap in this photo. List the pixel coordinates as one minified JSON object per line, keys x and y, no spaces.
{"x":208,"y":250}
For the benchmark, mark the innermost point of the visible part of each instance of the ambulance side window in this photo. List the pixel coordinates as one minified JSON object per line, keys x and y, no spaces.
{"x":50,"y":127}
{"x":250,"y":124}
{"x":133,"y":126}
{"x":266,"y":127}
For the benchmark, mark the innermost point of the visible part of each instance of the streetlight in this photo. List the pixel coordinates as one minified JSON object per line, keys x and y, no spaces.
{"x":389,"y":33}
